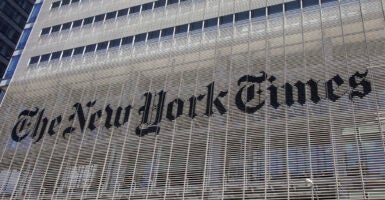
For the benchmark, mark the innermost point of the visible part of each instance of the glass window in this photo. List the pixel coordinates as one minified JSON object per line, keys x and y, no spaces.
{"x":123,"y":12}
{"x":242,"y":16}
{"x":23,"y":38}
{"x":196,"y":26}
{"x":226,"y":19}
{"x":67,"y":53}
{"x":171,"y":2}
{"x":44,"y":57}
{"x":181,"y":29}
{"x":147,"y":6}
{"x":260,"y":12}
{"x":111,"y":15}
{"x":160,"y":3}
{"x":34,"y":60}
{"x":12,"y":66}
{"x":135,"y":9}
{"x":5,"y":50}
{"x":140,"y":37}
{"x":66,"y":26}
{"x":45,"y":31}
{"x":275,"y":9}
{"x":306,"y":3}
{"x":75,"y":1}
{"x":114,"y":43}
{"x":55,"y":28}
{"x":78,"y":50}
{"x":88,"y":20}
{"x":56,"y":55}
{"x":327,"y":1}
{"x":292,"y":5}
{"x":127,"y":40}
{"x":8,"y":10}
{"x":211,"y":22}
{"x":102,"y":46}
{"x":90,"y":48}
{"x":34,"y":13}
{"x":153,"y":35}
{"x":55,"y":4}
{"x":167,"y":31}
{"x":65,"y":2}
{"x":77,"y":23}
{"x":99,"y":18}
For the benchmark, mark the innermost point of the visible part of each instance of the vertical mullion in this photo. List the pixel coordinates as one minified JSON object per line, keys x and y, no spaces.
{"x":137,"y":153}
{"x":109,"y":142}
{"x":308,"y":135}
{"x":40,"y":150}
{"x":284,"y":21}
{"x":56,"y":140}
{"x":65,"y":154}
{"x":209,"y":118}
{"x":126,"y":134}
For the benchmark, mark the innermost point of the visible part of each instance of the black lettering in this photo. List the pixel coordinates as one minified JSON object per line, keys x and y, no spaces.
{"x":330,"y":89}
{"x":217,"y":103}
{"x":364,"y":83}
{"x":91,"y":124}
{"x":81,"y":117}
{"x":37,"y":126}
{"x":144,"y":129}
{"x":273,"y":93}
{"x":238,"y":99}
{"x":127,"y":111}
{"x":53,"y":124}
{"x":193,"y":103}
{"x":314,"y":96}
{"x":109,"y":112}
{"x":179,"y":109}
{"x":22,"y":124}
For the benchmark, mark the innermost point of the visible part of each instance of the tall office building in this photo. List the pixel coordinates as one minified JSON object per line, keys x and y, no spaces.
{"x":13,"y":17}
{"x":198,"y":99}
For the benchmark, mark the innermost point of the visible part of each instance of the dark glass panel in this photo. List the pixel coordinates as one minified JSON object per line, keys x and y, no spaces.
{"x":78,"y":50}
{"x":34,"y":60}
{"x":44,"y":57}
{"x":196,"y":26}
{"x":127,"y":40}
{"x":242,"y":16}
{"x":111,"y":15}
{"x":226,"y":19}
{"x":260,"y":12}
{"x":99,"y":18}
{"x":67,"y":53}
{"x":153,"y":35}
{"x":90,"y":48}
{"x":167,"y":31}
{"x":181,"y":29}
{"x":56,"y":55}
{"x":102,"y":45}
{"x":275,"y":9}
{"x":114,"y":43}
{"x":55,"y":28}
{"x":123,"y":12}
{"x":55,"y":4}
{"x":140,"y":37}
{"x":77,"y":23}
{"x":45,"y":31}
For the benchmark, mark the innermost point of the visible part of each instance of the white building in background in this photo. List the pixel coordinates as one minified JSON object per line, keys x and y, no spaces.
{"x":198,"y":99}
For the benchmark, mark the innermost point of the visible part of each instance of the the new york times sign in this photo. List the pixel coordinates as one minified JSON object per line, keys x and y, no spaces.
{"x":249,"y":99}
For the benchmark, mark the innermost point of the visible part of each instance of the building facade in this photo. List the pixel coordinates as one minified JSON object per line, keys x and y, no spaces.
{"x":13,"y":16}
{"x":198,"y":99}
{"x":13,"y":19}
